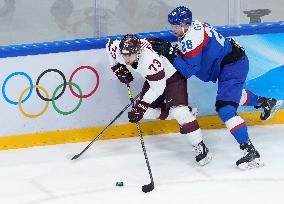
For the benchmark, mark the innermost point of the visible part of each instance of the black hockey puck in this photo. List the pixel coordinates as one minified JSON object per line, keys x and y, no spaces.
{"x":119,"y":183}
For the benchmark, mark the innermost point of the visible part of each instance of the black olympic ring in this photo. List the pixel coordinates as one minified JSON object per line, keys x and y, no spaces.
{"x":41,"y":75}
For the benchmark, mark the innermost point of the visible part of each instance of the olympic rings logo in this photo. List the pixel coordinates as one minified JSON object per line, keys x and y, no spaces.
{"x":55,"y":95}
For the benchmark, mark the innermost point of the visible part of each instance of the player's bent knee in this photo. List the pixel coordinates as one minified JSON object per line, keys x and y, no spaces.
{"x":227,"y":112}
{"x":220,"y":104}
{"x":182,"y":114}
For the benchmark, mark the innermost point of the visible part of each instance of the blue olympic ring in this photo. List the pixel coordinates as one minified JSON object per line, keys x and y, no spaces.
{"x":9,"y":77}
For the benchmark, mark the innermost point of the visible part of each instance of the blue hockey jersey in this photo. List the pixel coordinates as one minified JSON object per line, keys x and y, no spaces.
{"x":202,"y":50}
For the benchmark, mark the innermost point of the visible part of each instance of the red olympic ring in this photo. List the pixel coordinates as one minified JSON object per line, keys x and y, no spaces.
{"x":97,"y":84}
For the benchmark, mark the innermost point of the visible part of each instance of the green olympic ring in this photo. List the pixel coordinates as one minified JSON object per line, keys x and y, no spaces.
{"x":54,"y":95}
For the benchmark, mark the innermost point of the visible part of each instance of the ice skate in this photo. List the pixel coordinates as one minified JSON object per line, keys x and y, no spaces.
{"x":251,"y":158}
{"x":202,"y":154}
{"x":270,"y":107}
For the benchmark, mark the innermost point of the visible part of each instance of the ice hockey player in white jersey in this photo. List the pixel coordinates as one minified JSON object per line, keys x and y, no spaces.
{"x":209,"y":56}
{"x":164,"y":91}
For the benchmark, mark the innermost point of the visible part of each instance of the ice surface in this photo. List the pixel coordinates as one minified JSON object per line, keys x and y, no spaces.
{"x":44,"y":175}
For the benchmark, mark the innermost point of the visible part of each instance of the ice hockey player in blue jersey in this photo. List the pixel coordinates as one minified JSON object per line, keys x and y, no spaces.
{"x":209,"y":56}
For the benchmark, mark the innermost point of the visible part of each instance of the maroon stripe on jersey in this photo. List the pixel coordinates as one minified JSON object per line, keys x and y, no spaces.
{"x":199,"y":48}
{"x":189,"y":127}
{"x":156,"y":77}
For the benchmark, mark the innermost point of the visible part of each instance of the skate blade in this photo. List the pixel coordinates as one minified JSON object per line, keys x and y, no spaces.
{"x":256,"y":163}
{"x":275,"y":109}
{"x":205,"y":161}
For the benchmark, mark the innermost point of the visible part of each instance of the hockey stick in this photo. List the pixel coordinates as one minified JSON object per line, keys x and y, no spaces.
{"x":149,"y":187}
{"x":98,"y":136}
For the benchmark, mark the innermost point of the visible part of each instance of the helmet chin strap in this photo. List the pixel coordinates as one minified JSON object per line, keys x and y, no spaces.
{"x":138,"y":55}
{"x":182,"y":28}
{"x":135,"y":63}
{"x":184,"y":31}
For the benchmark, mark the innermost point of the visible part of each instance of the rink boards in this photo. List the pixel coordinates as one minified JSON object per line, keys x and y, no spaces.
{"x":61,"y":92}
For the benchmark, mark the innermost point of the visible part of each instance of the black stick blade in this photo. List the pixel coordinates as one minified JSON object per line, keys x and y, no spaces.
{"x":148,"y":188}
{"x":75,"y":156}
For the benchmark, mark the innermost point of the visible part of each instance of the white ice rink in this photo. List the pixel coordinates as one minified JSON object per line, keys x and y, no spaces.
{"x":43,"y":175}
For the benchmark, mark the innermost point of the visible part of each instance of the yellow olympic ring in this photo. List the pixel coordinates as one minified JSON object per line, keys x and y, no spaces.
{"x":33,"y":115}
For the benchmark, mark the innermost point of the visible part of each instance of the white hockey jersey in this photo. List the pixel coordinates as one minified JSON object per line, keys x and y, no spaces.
{"x":154,"y":68}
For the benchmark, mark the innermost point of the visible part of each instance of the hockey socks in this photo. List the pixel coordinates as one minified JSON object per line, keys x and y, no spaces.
{"x":234,"y":123}
{"x":188,"y":123}
{"x":249,"y":99}
{"x":189,"y":127}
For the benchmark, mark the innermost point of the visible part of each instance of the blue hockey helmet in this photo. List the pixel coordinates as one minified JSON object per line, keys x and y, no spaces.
{"x":180,"y":15}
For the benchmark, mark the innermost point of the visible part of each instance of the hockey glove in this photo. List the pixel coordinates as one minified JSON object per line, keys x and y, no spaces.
{"x":137,"y":111}
{"x":165,"y":48}
{"x":122,"y":73}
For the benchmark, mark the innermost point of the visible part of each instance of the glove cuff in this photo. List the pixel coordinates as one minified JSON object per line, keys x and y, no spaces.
{"x":118,"y":67}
